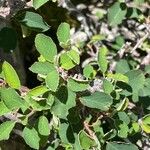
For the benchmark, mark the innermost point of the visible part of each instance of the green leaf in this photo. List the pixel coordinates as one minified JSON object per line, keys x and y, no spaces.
{"x":116,"y":13}
{"x":64,"y":100}
{"x":33,"y":21}
{"x":123,"y":130}
{"x":88,"y":71}
{"x":136,"y":126}
{"x":146,"y":119}
{"x":123,"y":105}
{"x":43,"y":126}
{"x":62,"y":132}
{"x":66,"y":62}
{"x":46,"y":47}
{"x":122,"y":146}
{"x":52,"y":80}
{"x":37,"y":91}
{"x":85,"y":141}
{"x":31,"y":137}
{"x":74,"y":55}
{"x":122,"y":66}
{"x":145,"y":127}
{"x":38,"y":3}
{"x":107,"y":86}
{"x":63,"y":33}
{"x":97,"y":100}
{"x":109,"y":135}
{"x":5,"y":129}
{"x":146,"y":123}
{"x":136,"y":79}
{"x":3,"y":109}
{"x":11,"y":76}
{"x":38,"y":105}
{"x":118,"y":77}
{"x":42,"y":68}
{"x":124,"y":117}
{"x":102,"y":59}
{"x":11,"y":99}
{"x":8,"y":39}
{"x":77,"y":85}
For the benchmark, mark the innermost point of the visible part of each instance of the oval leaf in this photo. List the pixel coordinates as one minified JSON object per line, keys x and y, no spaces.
{"x":31,"y":137}
{"x":52,"y":80}
{"x":33,"y":21}
{"x":102,"y":59}
{"x":43,"y":126}
{"x":5,"y":129}
{"x":11,"y":76}
{"x":63,"y":33}
{"x":46,"y":47}
{"x":97,"y":100}
{"x":116,"y":13}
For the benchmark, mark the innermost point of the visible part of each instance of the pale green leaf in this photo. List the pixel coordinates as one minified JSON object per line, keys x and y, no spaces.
{"x":43,"y":126}
{"x":102,"y":59}
{"x":37,"y":91}
{"x":66,"y":62}
{"x":85,"y":141}
{"x":88,"y":71}
{"x":123,"y":105}
{"x":3,"y":109}
{"x":118,"y":77}
{"x":11,"y":76}
{"x":42,"y":68}
{"x":38,"y":3}
{"x":63,"y":32}
{"x":74,"y":55}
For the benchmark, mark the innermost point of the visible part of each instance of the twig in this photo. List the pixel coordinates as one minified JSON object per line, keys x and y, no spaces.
{"x":139,"y":43}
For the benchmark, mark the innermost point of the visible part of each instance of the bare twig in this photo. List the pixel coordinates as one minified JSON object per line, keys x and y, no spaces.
{"x":140,"y":42}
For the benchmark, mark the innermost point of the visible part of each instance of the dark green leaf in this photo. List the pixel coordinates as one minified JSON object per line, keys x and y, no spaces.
{"x":97,"y":100}
{"x":8,"y":39}
{"x":33,"y":21}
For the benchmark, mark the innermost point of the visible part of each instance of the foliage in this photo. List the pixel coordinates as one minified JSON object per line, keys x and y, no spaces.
{"x":67,"y":110}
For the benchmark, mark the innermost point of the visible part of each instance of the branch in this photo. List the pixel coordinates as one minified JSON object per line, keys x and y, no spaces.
{"x":140,"y":42}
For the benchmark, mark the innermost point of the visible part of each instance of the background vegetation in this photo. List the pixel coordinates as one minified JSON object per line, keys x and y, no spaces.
{"x":75,"y":74}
